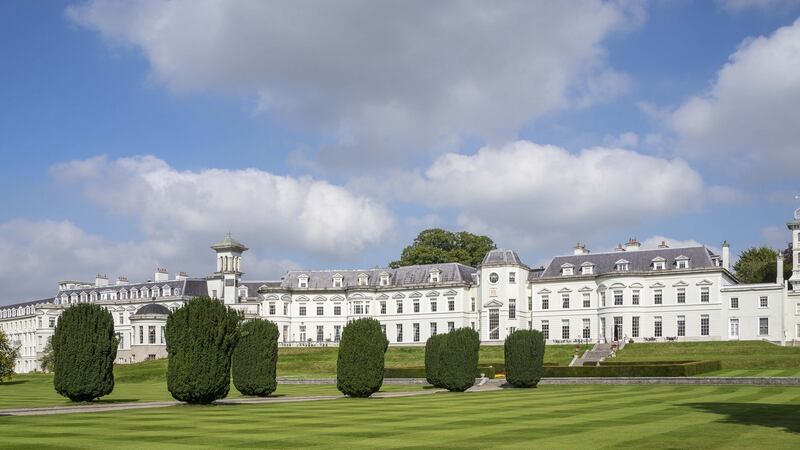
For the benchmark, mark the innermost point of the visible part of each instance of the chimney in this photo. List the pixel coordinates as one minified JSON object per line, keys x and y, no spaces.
{"x":161,"y":275}
{"x":580,"y":249}
{"x":100,"y":280}
{"x":779,"y":273}
{"x":663,"y":244}
{"x":181,"y":276}
{"x":632,"y":245}
{"x":619,"y":248}
{"x":726,"y":255}
{"x":122,"y":281}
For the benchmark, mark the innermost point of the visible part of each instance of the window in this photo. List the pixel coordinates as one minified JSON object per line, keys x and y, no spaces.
{"x":657,"y":328}
{"x":52,"y":321}
{"x":704,"y":325}
{"x":415,"y":327}
{"x":302,"y":310}
{"x":320,"y":310}
{"x":734,"y":328}
{"x":399,"y":307}
{"x":512,"y":277}
{"x":383,"y":306}
{"x":587,"y":300}
{"x":433,"y":304}
{"x":530,"y":304}
{"x":337,"y":333}
{"x":383,"y":329}
{"x":763,"y":302}
{"x":320,"y":333}
{"x":433,"y":328}
{"x":587,"y":270}
{"x":213,"y":293}
{"x":797,"y":309}
{"x":302,"y":282}
{"x":416,"y":306}
{"x":337,"y":309}
{"x":704,"y":295}
{"x":621,"y":266}
{"x":337,"y":282}
{"x":545,"y":302}
{"x":587,"y":332}
{"x":451,"y":304}
{"x":302,"y":333}
{"x":512,"y":309}
{"x":272,"y":309}
{"x":121,"y":339}
{"x":635,"y":326}
{"x":635,"y":297}
{"x":798,"y":330}
{"x":40,"y":322}
{"x":360,"y":308}
{"x":682,"y":264}
{"x":658,"y":265}
{"x":285,"y":309}
{"x":494,"y":323}
{"x":363,"y":280}
{"x":163,"y":334}
{"x":399,"y":332}
{"x":617,"y":298}
{"x":472,"y":304}
{"x":285,"y":336}
{"x":512,"y":330}
{"x":565,"y":271}
{"x":657,"y":297}
{"x":681,"y":295}
{"x":451,"y":326}
{"x":384,"y":279}
{"x":602,"y":298}
{"x":681,"y":325}
{"x":546,"y":329}
{"x":141,"y":334}
{"x":565,"y":329}
{"x":494,"y":278}
{"x":763,"y":326}
{"x":565,"y":301}
{"x":734,"y":303}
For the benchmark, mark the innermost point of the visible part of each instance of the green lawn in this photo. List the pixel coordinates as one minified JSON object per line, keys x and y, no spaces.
{"x":546,"y":417}
{"x":742,"y":358}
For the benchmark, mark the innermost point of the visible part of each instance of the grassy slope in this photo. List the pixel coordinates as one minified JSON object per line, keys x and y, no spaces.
{"x":547,"y":417}
{"x":743,"y":358}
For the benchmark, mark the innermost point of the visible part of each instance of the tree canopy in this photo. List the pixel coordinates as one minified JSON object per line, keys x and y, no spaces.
{"x":757,"y":265}
{"x":435,"y":245}
{"x":8,"y":357}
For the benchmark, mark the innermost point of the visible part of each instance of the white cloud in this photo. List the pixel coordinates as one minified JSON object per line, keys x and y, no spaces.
{"x":654,"y":241}
{"x":627,"y":140}
{"x":739,"y":6}
{"x":530,"y":195}
{"x":382,"y":80}
{"x":748,"y":119}
{"x":266,"y":210}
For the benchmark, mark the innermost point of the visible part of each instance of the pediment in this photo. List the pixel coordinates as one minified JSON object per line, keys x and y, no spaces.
{"x":432,"y":294}
{"x":704,"y":283}
{"x":415,"y":295}
{"x":567,"y":265}
{"x":544,"y":291}
{"x":450,"y":293}
{"x":302,"y":298}
{"x":399,"y":295}
{"x":585,"y":289}
{"x":617,"y":286}
{"x":319,"y":298}
{"x":564,"y":290}
{"x":658,"y":284}
{"x":337,"y":298}
{"x":382,"y":297}
{"x":493,"y":304}
{"x":357,"y":296}
{"x":272,"y":297}
{"x":587,"y":264}
{"x":286,"y":297}
{"x":636,"y":286}
{"x":680,"y":284}
{"x":658,"y":259}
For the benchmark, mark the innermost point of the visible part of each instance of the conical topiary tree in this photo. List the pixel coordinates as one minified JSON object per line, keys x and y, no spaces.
{"x":201,"y":336}
{"x":359,"y":367}
{"x":524,"y":358}
{"x":459,"y":359}
{"x":255,"y":358}
{"x":84,"y":349}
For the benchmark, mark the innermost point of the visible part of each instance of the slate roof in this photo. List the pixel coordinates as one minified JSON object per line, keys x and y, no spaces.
{"x":30,"y":303}
{"x":401,"y":276}
{"x":190,"y":287}
{"x":500,"y":256}
{"x":640,"y":260}
{"x":152,"y":308}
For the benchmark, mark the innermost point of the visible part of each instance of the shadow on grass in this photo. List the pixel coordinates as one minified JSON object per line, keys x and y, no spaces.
{"x":13,"y":382}
{"x":761,"y":414}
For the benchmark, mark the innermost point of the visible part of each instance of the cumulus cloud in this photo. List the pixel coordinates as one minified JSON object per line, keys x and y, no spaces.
{"x":268,"y":210}
{"x":531,"y":195}
{"x":380,"y":80}
{"x":748,"y":118}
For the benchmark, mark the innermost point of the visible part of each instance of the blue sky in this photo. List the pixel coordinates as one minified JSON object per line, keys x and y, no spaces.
{"x":327,"y":134}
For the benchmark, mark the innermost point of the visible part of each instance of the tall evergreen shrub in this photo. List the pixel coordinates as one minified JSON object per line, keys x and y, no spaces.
{"x":459,"y":359}
{"x":201,"y":336}
{"x":255,"y":358}
{"x":433,"y":356}
{"x":84,"y":349}
{"x":359,"y":366}
{"x":524,"y":358}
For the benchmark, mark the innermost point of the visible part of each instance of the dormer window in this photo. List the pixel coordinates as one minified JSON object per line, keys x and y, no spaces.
{"x":682,"y":262}
{"x":337,"y":281}
{"x":567,"y":269}
{"x":302,"y":281}
{"x":363,"y":279}
{"x":384,"y":279}
{"x":659,"y":263}
{"x":434,"y":276}
{"x":587,"y":268}
{"x":622,"y":265}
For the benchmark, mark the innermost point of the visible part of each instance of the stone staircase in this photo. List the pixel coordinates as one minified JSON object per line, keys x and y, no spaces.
{"x":598,"y":353}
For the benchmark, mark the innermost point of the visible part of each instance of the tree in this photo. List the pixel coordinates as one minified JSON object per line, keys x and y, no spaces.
{"x":8,"y":357}
{"x":460,"y":359}
{"x":524,"y":358}
{"x":84,"y":349}
{"x":359,"y":366}
{"x":201,"y":336}
{"x":46,"y":361}
{"x":255,"y":358}
{"x":757,"y":265}
{"x":433,"y":359}
{"x":435,"y":245}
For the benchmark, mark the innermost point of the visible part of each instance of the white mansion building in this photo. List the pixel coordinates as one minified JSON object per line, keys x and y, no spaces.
{"x":663,"y":294}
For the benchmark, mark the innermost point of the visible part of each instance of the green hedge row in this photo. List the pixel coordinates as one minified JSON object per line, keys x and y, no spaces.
{"x":419,"y":372}
{"x":685,"y":369}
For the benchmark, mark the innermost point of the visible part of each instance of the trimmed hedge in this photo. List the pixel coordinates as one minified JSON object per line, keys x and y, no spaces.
{"x":255,"y":358}
{"x":458,"y":360}
{"x":433,"y":359}
{"x":420,"y":372}
{"x":524,"y":358}
{"x":201,"y":336}
{"x":684,"y":369}
{"x":84,"y":349}
{"x":359,"y":365}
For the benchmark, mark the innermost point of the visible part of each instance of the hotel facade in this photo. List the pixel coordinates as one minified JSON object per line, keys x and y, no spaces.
{"x":662,"y":294}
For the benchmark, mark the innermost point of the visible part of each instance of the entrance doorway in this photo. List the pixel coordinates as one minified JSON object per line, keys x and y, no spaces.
{"x":617,"y":328}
